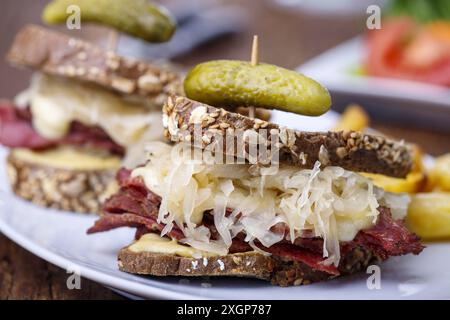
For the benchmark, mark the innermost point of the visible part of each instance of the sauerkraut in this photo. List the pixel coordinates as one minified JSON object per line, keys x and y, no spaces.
{"x":330,"y":203}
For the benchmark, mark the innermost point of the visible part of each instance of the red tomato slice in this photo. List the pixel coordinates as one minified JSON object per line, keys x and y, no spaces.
{"x":393,"y":53}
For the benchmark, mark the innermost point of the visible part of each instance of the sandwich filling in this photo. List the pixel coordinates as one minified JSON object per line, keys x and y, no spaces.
{"x":314,"y":215}
{"x":56,"y":111}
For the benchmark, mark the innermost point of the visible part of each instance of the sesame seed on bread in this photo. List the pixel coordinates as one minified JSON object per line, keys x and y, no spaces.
{"x":350,"y":150}
{"x":247,"y":264}
{"x":78,"y":190}
{"x":58,"y":54}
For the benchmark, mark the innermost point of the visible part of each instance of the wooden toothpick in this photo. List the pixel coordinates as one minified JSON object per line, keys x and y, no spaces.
{"x":254,"y":62}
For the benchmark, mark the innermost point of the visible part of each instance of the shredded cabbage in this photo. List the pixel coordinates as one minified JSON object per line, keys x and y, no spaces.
{"x":330,"y":203}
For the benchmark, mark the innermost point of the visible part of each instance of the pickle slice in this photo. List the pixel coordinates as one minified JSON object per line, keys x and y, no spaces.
{"x":231,"y":83}
{"x":138,"y":18}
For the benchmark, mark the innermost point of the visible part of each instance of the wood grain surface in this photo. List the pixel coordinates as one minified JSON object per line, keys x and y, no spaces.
{"x":287,"y":38}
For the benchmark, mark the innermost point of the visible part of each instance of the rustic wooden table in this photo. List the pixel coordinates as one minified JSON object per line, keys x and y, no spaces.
{"x":287,"y":38}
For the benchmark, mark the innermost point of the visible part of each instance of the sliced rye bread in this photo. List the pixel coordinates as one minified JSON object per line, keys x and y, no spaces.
{"x":350,"y":150}
{"x":59,"y":54}
{"x":248,"y":264}
{"x":80,"y":191}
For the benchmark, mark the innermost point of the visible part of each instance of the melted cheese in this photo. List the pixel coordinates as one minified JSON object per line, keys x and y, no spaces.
{"x":56,"y":102}
{"x":68,"y":158}
{"x":151,"y":242}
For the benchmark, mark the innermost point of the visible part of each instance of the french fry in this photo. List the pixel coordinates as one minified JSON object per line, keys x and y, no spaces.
{"x":429,"y":215}
{"x":354,"y":118}
{"x":418,"y":165}
{"x":439,"y":175}
{"x":414,"y":182}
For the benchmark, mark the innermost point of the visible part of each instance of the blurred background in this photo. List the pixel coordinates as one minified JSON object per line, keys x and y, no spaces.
{"x":213,"y":29}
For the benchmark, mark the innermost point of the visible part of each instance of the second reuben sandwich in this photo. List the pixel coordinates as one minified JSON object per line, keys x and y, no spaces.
{"x":78,"y":121}
{"x":307,"y":216}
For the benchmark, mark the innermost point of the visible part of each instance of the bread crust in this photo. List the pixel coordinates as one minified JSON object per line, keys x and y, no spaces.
{"x":249,"y":265}
{"x":59,"y":54}
{"x":350,"y":150}
{"x":80,"y":191}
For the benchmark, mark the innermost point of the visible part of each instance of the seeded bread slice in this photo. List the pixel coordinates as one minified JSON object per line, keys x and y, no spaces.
{"x":350,"y":150}
{"x":59,"y":54}
{"x":248,"y":265}
{"x":80,"y":191}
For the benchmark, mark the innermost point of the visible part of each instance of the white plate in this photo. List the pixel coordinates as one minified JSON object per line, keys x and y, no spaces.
{"x":59,"y":237}
{"x":406,"y":101}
